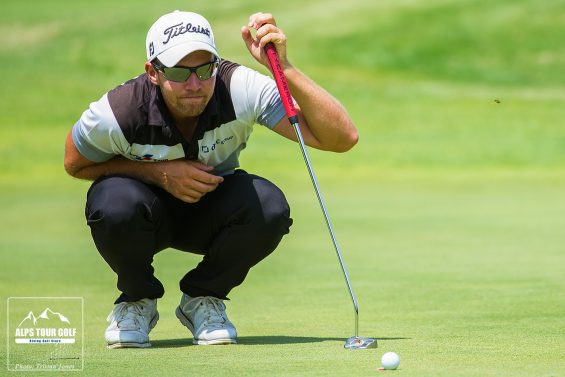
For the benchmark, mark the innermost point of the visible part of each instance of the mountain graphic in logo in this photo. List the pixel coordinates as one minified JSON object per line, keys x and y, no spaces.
{"x":44,"y":315}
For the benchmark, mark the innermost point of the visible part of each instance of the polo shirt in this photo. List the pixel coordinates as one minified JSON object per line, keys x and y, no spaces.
{"x":133,"y":121}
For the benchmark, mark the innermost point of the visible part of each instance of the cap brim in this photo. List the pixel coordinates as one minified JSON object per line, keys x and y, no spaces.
{"x":173,"y":55}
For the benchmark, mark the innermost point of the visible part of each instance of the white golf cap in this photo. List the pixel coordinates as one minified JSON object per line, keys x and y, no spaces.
{"x":177,"y":34}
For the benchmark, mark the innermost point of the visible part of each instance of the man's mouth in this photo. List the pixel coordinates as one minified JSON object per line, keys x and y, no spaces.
{"x":192,"y":97}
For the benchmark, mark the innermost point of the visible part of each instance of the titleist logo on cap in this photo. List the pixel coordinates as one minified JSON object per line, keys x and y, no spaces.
{"x":179,"y":29}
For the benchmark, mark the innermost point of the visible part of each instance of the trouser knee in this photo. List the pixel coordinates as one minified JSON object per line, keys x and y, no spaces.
{"x":272,"y":214}
{"x":123,"y":215}
{"x":115,"y":204}
{"x":274,"y":209}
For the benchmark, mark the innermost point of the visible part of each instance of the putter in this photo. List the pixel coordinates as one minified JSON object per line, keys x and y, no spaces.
{"x":356,"y":341}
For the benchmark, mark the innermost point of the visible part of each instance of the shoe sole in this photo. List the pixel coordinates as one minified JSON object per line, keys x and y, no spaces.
{"x":186,"y":322}
{"x":135,"y":345}
{"x":128,"y":345}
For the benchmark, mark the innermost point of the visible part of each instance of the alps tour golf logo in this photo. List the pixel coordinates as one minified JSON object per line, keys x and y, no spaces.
{"x":47,"y":327}
{"x":45,"y":334}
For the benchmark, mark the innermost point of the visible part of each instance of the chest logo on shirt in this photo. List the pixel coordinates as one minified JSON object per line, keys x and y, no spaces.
{"x":212,"y":147}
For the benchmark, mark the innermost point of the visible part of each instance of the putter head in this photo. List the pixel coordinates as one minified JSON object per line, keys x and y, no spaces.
{"x":358,"y":342}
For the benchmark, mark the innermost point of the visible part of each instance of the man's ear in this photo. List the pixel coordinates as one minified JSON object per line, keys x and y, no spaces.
{"x":152,"y":73}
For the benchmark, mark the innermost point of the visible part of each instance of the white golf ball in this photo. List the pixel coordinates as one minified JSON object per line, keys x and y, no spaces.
{"x":390,"y":360}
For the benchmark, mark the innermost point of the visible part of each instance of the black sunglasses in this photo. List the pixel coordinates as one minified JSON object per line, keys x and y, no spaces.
{"x":181,"y":74}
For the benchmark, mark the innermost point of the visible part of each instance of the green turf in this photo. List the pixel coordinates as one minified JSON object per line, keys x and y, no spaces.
{"x":449,"y":212}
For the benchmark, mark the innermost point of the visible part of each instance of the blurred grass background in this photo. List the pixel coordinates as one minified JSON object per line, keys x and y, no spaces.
{"x":449,"y":211}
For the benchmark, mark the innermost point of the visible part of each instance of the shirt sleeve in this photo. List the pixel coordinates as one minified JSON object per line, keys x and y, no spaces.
{"x":257,"y":96}
{"x":97,"y":134}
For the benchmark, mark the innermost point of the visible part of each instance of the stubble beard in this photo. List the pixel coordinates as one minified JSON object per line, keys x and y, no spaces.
{"x":189,"y":110}
{"x":182,"y":108}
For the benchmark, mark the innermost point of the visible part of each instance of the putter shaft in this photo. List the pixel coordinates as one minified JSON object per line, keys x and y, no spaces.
{"x":296,"y":127}
{"x":288,"y":103}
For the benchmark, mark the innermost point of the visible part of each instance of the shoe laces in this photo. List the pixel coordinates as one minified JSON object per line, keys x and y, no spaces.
{"x":128,"y":315}
{"x":211,"y":309}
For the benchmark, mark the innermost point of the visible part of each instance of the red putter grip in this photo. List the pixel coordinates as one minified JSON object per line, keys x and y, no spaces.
{"x":282,"y":85}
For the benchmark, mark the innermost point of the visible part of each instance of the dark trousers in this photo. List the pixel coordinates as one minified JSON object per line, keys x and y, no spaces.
{"x":234,"y":227}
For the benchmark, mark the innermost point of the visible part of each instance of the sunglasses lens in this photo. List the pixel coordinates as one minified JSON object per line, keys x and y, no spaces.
{"x":176,"y":73}
{"x":204,"y":72}
{"x":181,"y":74}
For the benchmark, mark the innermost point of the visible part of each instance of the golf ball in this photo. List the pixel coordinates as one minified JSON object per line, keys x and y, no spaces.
{"x":390,"y":360}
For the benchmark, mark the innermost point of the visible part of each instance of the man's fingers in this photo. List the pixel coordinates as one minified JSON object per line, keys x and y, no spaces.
{"x":190,"y":195}
{"x":206,"y":178}
{"x":189,"y":180}
{"x":267,"y":32}
{"x":203,"y":188}
{"x":186,"y":198}
{"x":201,"y":174}
{"x":199,"y":165}
{"x":193,"y":194}
{"x":247,"y":37}
{"x":276,"y":38}
{"x":259,"y":19}
{"x":266,"y":29}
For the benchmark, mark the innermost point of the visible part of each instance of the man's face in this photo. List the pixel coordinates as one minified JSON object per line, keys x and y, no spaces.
{"x":188,"y":99}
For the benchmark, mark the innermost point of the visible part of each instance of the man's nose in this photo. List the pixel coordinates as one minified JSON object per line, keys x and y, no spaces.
{"x":192,"y":81}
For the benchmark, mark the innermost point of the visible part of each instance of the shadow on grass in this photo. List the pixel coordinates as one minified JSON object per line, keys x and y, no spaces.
{"x":257,"y":340}
{"x":281,"y":339}
{"x":284,"y":339}
{"x":171,"y":343}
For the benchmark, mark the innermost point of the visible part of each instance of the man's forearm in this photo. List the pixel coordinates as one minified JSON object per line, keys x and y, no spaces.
{"x":149,"y":172}
{"x":327,"y":119}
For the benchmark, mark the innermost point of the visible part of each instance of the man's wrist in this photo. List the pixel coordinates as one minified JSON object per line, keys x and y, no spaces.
{"x":287,"y":68}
